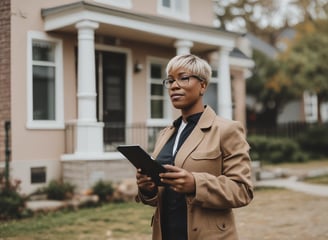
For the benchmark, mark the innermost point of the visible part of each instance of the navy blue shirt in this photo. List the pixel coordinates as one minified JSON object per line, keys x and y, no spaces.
{"x":174,"y":219}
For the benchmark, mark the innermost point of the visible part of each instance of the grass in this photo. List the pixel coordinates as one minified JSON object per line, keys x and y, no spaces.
{"x":118,"y":220}
{"x":301,"y":167}
{"x":274,"y":213}
{"x":262,"y":219}
{"x":317,"y":180}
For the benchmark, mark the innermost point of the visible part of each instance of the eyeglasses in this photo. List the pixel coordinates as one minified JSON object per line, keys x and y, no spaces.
{"x":182,"y":81}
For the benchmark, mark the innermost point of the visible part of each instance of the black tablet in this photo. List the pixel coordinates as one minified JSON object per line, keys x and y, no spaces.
{"x":141,"y":159}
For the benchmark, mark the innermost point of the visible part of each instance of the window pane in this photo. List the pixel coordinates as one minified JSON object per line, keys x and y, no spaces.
{"x":38,"y":175}
{"x":157,"y":109}
{"x":214,"y":73}
{"x":43,"y":93}
{"x":210,"y":96}
{"x":166,"y":3}
{"x":156,"y":71}
{"x":43,"y":51}
{"x":157,"y":89}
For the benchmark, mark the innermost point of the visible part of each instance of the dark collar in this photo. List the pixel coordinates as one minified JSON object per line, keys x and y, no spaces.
{"x":193,"y":119}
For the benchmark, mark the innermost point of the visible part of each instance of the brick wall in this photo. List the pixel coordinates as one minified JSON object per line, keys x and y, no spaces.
{"x":4,"y":72}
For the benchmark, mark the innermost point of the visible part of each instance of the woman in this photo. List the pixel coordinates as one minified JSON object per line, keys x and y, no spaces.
{"x":207,"y":159}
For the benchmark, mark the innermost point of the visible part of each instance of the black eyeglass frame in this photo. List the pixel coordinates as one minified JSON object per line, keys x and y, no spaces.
{"x":167,"y":83}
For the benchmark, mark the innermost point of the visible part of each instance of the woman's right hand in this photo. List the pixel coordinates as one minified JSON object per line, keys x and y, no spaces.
{"x":145,"y":183}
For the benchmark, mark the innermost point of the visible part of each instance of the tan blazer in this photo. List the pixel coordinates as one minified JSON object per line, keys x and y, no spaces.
{"x":217,"y":154}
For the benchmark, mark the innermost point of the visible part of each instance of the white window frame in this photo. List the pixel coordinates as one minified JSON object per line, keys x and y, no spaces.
{"x":310,"y":107}
{"x":58,"y":123}
{"x":167,"y":119}
{"x":173,"y":12}
{"x":324,"y":111}
{"x":117,"y":3}
{"x":213,"y":80}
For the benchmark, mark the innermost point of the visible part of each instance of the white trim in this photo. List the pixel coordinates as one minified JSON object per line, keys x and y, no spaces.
{"x":92,"y":156}
{"x":242,"y":63}
{"x":324,"y":111}
{"x":117,"y":3}
{"x":167,"y":107}
{"x":173,"y":12}
{"x":129,"y":72}
{"x":58,"y":123}
{"x":310,"y":106}
{"x":211,"y":37}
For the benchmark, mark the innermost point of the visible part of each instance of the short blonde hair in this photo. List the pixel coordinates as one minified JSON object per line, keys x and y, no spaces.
{"x":191,"y":63}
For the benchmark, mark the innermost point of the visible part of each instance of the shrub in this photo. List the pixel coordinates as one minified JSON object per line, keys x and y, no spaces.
{"x":12,"y":204}
{"x":59,"y":191}
{"x":104,"y":190}
{"x":275,"y":150}
{"x":315,"y":140}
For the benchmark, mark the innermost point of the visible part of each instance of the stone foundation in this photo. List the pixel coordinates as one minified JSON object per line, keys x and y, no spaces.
{"x":83,"y":174}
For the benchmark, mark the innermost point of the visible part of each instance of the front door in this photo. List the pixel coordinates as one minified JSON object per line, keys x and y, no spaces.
{"x":111,"y":79}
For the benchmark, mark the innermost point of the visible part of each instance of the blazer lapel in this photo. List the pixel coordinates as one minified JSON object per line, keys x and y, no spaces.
{"x":166,"y":134}
{"x":196,"y":136}
{"x":188,"y":146}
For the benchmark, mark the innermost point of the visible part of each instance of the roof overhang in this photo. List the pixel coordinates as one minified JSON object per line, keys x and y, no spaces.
{"x":139,"y":27}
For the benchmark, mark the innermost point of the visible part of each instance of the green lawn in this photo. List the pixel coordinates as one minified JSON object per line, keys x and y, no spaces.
{"x":317,"y":180}
{"x":262,"y":219}
{"x":303,"y":167}
{"x":126,"y":221}
{"x":119,"y":220}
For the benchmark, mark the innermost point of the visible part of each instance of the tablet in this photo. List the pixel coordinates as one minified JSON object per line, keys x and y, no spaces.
{"x":141,"y":159}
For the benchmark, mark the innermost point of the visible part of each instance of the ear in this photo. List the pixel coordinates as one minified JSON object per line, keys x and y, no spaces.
{"x":203,"y":88}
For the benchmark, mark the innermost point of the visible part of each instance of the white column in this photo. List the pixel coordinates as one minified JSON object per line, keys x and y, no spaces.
{"x":183,"y":46}
{"x":86,"y":71}
{"x":224,"y":87}
{"x":89,"y":132}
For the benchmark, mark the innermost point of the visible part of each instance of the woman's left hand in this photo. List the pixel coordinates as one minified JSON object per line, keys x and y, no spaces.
{"x":180,"y":180}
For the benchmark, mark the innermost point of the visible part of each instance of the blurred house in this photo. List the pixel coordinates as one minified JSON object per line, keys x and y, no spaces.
{"x":80,"y":77}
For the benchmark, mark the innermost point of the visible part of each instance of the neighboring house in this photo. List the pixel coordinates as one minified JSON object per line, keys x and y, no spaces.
{"x":80,"y":77}
{"x":304,"y":109}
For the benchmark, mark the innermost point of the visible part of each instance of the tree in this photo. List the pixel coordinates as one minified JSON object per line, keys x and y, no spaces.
{"x":265,"y":18}
{"x":305,"y":63}
{"x":310,"y":9}
{"x":270,"y":88}
{"x":248,"y":15}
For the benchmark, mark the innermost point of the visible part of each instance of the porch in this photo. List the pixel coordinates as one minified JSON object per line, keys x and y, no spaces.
{"x":115,"y":134}
{"x":85,"y":169}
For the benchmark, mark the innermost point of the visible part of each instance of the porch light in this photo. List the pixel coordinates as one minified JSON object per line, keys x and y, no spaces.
{"x":138,"y":67}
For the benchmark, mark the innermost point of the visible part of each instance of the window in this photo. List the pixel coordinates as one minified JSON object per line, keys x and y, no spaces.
{"x":157,"y":98}
{"x":160,"y":106}
{"x":45,"y":94}
{"x":310,"y":107}
{"x":117,"y":3}
{"x":174,"y":8}
{"x":211,"y":95}
{"x":38,"y":175}
{"x":324,"y":111}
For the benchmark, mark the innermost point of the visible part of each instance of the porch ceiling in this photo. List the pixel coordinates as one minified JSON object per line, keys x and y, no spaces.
{"x":127,"y":25}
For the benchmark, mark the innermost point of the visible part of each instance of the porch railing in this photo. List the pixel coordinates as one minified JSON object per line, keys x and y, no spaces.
{"x":119,"y":133}
{"x":116,"y":134}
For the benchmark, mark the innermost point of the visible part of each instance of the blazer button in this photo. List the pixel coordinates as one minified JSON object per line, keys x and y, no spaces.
{"x":195,"y":229}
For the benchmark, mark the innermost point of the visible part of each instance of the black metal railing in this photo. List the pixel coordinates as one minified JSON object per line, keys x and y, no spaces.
{"x":120,"y":133}
{"x":116,"y":134}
